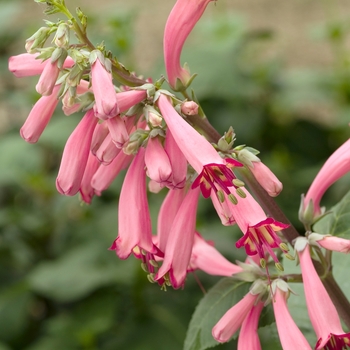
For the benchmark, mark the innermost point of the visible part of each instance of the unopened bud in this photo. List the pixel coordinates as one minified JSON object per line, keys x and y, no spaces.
{"x":155,"y":119}
{"x":135,"y":141}
{"x":61,"y":38}
{"x":37,"y":40}
{"x":189,"y":108}
{"x":226,"y":142}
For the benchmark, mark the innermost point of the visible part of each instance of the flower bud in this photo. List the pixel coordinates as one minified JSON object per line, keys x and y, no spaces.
{"x":37,"y":40}
{"x":62,"y":35}
{"x":189,"y":108}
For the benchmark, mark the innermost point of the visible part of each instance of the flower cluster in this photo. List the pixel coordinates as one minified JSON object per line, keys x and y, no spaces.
{"x":131,"y":123}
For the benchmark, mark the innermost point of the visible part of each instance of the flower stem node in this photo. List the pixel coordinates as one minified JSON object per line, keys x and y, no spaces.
{"x":226,"y":142}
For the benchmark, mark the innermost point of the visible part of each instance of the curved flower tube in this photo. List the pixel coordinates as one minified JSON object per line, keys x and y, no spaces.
{"x":214,"y":172}
{"x":182,"y":19}
{"x":322,"y":312}
{"x":336,"y":166}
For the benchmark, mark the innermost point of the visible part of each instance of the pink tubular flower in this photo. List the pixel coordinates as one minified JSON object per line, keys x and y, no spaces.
{"x":183,"y":17}
{"x":290,"y":335}
{"x":26,"y":64}
{"x":100,"y":133}
{"x":336,"y":166}
{"x":117,"y":130}
{"x":259,"y":231}
{"x":134,"y":221}
{"x":180,"y":241}
{"x":232,"y":320}
{"x":248,"y":336}
{"x":106,"y":105}
{"x":178,"y":162}
{"x":86,"y":190}
{"x":107,"y":151}
{"x":128,"y":99}
{"x":329,"y":242}
{"x":39,"y":116}
{"x":48,"y":78}
{"x":322,"y":312}
{"x":167,"y":214}
{"x":75,"y":156}
{"x":266,"y":178}
{"x":105,"y":174}
{"x":157,"y":161}
{"x":206,"y":258}
{"x":214,"y":172}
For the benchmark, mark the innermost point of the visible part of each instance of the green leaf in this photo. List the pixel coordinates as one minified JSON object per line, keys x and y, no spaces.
{"x":78,"y":272}
{"x":14,"y":305}
{"x":341,"y":263}
{"x":337,"y":223}
{"x":226,"y":293}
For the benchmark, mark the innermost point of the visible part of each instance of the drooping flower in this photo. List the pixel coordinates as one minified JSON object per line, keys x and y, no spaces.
{"x":214,"y":172}
{"x":208,"y":259}
{"x":157,"y":161}
{"x":259,"y":231}
{"x":40,"y":116}
{"x":290,"y":335}
{"x":75,"y":156}
{"x":86,"y":190}
{"x":336,"y":166}
{"x":177,"y":160}
{"x":167,"y":214}
{"x":134,"y":221}
{"x":263,"y":175}
{"x":106,"y":105}
{"x":232,"y":320}
{"x":179,"y":244}
{"x":26,"y":64}
{"x":248,"y":338}
{"x":48,"y":78}
{"x":105,"y":174}
{"x":322,"y":312}
{"x":117,"y":130}
{"x":329,"y":242}
{"x":107,"y":151}
{"x":182,"y":19}
{"x":267,"y":179}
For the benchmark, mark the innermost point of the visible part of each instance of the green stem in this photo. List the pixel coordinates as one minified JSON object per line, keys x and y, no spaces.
{"x":120,"y":73}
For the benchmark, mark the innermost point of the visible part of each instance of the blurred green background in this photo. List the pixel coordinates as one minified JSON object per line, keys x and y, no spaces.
{"x":277,"y":72}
